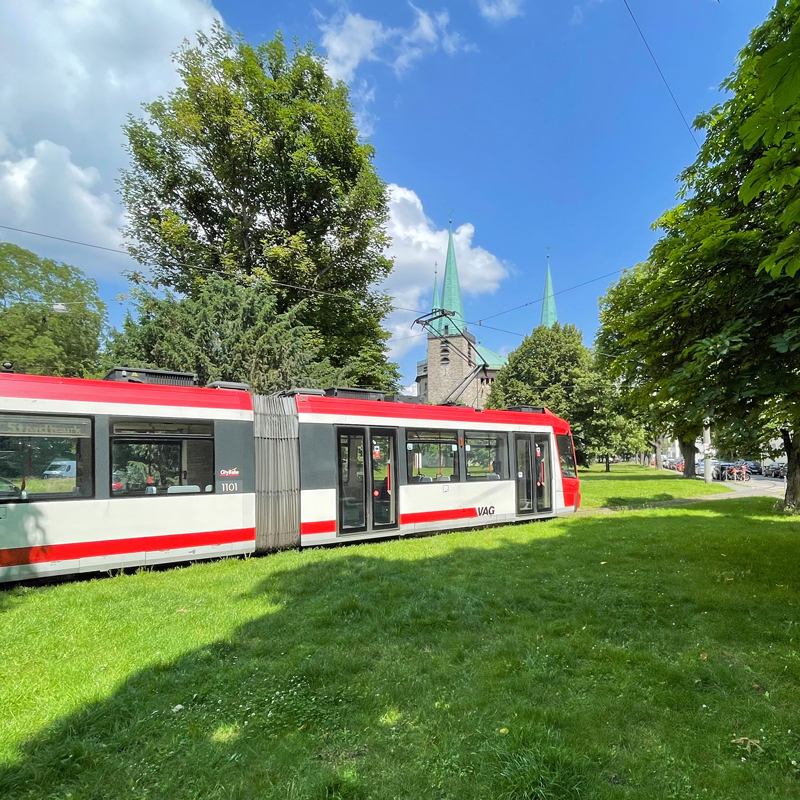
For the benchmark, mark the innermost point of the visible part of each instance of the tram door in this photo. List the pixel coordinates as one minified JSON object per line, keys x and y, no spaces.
{"x":534,"y":490}
{"x":525,"y":493}
{"x":366,"y":479}
{"x":542,"y":477}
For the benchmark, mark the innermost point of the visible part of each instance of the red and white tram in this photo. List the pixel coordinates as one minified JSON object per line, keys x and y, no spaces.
{"x":102,"y":475}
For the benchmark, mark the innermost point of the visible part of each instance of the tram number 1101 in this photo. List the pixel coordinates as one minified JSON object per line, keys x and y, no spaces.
{"x":228,"y":487}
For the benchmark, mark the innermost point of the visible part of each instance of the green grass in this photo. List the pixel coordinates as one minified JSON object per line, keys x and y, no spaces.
{"x":595,"y":657}
{"x":632,"y":485}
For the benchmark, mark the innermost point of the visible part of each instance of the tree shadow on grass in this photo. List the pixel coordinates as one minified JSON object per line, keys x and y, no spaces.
{"x":611,"y":502}
{"x":649,"y":477}
{"x":480,"y":665}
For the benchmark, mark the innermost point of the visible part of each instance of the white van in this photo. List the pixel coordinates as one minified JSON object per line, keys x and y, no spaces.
{"x":60,"y":469}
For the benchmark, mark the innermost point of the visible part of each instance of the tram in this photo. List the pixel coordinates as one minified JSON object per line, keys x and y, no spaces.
{"x":104,"y":475}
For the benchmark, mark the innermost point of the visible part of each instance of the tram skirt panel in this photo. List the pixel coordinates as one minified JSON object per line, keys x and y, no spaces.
{"x":277,"y":473}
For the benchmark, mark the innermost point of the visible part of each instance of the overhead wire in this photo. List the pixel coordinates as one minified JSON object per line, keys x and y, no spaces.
{"x":541,"y":299}
{"x":663,"y":77}
{"x":194,"y":267}
{"x":479,"y":323}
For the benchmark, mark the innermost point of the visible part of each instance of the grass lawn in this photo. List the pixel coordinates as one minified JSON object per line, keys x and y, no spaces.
{"x":631,"y":484}
{"x":649,"y":654}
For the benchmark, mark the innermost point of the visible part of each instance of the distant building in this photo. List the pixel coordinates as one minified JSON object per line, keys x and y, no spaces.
{"x":453,"y":352}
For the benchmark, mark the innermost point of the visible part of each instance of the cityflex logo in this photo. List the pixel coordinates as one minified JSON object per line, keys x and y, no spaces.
{"x":486,"y":511}
{"x":229,"y":473}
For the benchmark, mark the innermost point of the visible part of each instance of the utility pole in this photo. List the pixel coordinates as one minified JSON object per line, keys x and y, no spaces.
{"x":708,"y":470}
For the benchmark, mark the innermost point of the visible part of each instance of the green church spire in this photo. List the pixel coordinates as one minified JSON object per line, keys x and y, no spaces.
{"x":437,"y":303}
{"x":549,"y":316}
{"x":451,"y":292}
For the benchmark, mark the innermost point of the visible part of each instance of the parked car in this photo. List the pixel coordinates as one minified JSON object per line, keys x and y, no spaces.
{"x":753,"y":467}
{"x":775,"y":470}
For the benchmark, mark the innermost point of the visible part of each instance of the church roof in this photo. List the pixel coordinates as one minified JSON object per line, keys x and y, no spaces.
{"x":549,"y":315}
{"x":493,"y":360}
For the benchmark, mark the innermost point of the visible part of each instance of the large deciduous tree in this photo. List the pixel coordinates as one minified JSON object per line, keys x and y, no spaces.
{"x":253,"y":167}
{"x":51,"y":318}
{"x":701,"y":325}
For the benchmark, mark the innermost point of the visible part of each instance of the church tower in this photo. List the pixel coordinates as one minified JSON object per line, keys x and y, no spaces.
{"x":549,"y":316}
{"x":453,"y":353}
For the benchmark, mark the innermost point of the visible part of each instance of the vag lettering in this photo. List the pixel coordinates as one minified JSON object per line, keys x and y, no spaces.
{"x":486,"y":511}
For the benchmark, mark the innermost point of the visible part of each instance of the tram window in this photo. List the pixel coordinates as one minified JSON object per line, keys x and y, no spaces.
{"x":44,"y":457}
{"x":486,"y":456}
{"x":567,"y":456}
{"x":158,"y":458}
{"x":432,"y":456}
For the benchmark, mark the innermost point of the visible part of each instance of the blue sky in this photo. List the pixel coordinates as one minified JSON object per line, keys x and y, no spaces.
{"x":540,"y":124}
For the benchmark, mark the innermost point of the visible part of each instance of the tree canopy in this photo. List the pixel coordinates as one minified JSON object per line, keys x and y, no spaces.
{"x":34,"y":337}
{"x":253,"y":167}
{"x":705,"y":327}
{"x":228,"y":331}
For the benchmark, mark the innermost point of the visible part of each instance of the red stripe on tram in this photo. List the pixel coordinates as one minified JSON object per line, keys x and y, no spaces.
{"x":438,"y":516}
{"x":17,"y":556}
{"x":325,"y":526}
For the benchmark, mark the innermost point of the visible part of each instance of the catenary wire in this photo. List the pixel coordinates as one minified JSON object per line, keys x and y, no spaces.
{"x":541,"y":299}
{"x":479,"y":323}
{"x":193,"y":266}
{"x":663,"y":78}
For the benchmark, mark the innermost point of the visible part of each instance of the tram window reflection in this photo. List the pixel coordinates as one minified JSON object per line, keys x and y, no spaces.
{"x":158,"y":462}
{"x":432,"y":456}
{"x":486,"y":456}
{"x":45,"y":457}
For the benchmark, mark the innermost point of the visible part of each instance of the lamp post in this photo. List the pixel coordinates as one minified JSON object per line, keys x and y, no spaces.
{"x":708,"y":471}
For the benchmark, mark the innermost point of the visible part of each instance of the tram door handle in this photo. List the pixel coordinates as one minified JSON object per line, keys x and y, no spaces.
{"x":185,"y":474}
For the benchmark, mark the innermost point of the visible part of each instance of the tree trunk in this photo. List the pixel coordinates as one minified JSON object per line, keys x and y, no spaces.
{"x":658,"y":453}
{"x":608,"y":464}
{"x":792,"y":497}
{"x":688,"y":451}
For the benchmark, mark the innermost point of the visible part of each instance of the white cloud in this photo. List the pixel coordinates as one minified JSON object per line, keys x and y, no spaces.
{"x":348,"y":41}
{"x":579,"y":11}
{"x":46,"y":191}
{"x":351,"y":39}
{"x":500,"y":10}
{"x":79,"y":68}
{"x":416,"y":245}
{"x":362,"y":95}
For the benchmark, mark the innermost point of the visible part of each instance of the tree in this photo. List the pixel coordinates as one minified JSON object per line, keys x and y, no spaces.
{"x":700,"y":325}
{"x":254,"y":167}
{"x":33,"y":336}
{"x":608,"y":428}
{"x":228,"y":331}
{"x":770,"y":66}
{"x":544,"y":370}
{"x":552,"y":368}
